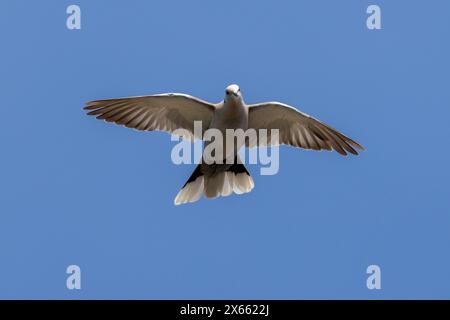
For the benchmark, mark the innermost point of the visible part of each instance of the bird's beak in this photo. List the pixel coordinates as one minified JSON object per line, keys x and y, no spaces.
{"x":235,"y":93}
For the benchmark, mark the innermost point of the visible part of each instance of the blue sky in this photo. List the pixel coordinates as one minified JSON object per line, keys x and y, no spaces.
{"x":78,"y":191}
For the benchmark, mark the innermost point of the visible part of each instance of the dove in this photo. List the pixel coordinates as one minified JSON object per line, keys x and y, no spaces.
{"x":171,"y":112}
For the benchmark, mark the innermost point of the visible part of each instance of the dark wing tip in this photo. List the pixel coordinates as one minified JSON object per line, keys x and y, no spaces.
{"x":91,"y":105}
{"x":356,"y":145}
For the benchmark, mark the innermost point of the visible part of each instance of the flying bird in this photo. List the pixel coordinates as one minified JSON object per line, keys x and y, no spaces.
{"x":171,"y":111}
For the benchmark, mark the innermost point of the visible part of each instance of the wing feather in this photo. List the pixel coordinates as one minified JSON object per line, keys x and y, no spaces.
{"x":164,"y":112}
{"x":299,"y":129}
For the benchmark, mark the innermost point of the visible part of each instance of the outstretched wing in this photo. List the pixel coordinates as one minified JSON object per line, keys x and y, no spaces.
{"x":298,"y":129}
{"x":162,"y":112}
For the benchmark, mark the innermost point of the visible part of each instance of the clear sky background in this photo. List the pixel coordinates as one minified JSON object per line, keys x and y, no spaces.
{"x":75,"y":190}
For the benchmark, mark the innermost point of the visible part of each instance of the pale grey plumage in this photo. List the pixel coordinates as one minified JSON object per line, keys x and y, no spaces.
{"x":172,"y":111}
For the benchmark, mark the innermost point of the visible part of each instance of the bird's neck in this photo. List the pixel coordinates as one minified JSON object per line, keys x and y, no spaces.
{"x":232,"y":110}
{"x":233,"y":106}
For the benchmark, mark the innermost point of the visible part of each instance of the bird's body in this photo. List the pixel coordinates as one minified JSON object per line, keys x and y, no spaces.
{"x":232,"y":113}
{"x":170,"y":112}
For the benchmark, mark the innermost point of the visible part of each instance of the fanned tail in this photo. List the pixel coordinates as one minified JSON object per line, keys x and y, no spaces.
{"x":215,"y":180}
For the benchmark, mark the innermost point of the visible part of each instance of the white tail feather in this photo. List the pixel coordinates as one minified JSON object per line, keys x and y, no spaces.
{"x":220,"y":184}
{"x":191,"y":192}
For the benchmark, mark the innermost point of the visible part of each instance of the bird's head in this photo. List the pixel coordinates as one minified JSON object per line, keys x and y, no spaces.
{"x":233,"y":92}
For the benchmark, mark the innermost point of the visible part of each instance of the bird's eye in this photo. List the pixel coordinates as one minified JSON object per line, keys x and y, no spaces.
{"x":226,"y":92}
